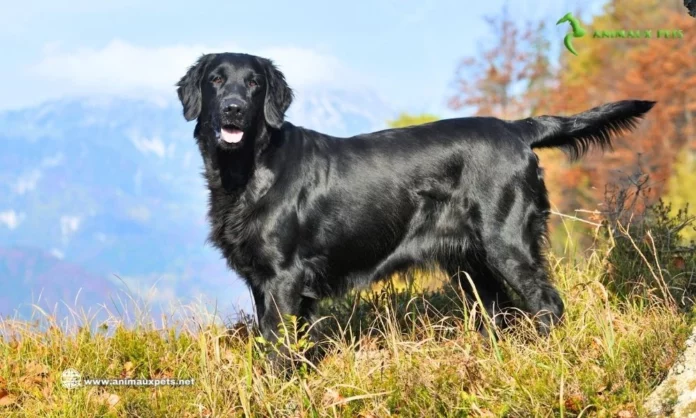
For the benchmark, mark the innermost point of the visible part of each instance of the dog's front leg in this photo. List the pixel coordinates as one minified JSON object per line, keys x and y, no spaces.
{"x":283,"y":314}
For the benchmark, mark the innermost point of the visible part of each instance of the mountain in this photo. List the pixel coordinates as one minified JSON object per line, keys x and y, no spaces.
{"x":105,"y":195}
{"x":29,"y":277}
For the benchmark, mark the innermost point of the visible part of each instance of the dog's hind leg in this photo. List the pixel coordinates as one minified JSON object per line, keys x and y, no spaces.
{"x":517,"y":258}
{"x":489,"y":289}
{"x":512,"y":234}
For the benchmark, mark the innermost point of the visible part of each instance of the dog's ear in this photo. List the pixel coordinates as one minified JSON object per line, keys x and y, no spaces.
{"x":278,"y":95}
{"x":189,"y":87}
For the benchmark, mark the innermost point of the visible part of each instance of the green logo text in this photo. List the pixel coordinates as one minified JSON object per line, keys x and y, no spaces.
{"x":578,"y":32}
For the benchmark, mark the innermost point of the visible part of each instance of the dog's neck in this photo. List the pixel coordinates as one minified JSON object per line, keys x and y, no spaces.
{"x":239,"y":172}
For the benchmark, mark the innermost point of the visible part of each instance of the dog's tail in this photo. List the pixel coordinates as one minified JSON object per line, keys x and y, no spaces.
{"x":576,"y":134}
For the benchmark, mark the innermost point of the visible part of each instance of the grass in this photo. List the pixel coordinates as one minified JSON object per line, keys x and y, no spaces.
{"x":393,"y":352}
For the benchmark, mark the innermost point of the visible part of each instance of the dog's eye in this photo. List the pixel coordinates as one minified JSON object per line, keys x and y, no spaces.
{"x":216,"y":80}
{"x":253,"y":83}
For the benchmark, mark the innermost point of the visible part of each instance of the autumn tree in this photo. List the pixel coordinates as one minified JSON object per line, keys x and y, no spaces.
{"x":406,"y":119}
{"x":513,"y":77}
{"x":681,"y":193}
{"x":652,"y":69}
{"x":509,"y":78}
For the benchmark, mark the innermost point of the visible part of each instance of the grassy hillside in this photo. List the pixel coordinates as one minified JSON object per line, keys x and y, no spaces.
{"x":394,"y":351}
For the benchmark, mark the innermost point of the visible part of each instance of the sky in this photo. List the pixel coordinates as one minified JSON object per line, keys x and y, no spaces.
{"x":405,"y":51}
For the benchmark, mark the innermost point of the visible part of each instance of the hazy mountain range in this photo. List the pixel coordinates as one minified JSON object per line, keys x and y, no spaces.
{"x":99,"y":195}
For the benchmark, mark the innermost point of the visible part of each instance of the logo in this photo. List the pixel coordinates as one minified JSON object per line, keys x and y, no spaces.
{"x":71,"y":379}
{"x":578,"y":31}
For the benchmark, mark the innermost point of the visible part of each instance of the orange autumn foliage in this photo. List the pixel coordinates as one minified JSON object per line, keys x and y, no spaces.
{"x":490,"y":83}
{"x":519,"y":81}
{"x":653,"y":69}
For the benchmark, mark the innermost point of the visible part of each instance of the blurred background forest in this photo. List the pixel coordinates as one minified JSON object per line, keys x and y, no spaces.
{"x":518,"y":74}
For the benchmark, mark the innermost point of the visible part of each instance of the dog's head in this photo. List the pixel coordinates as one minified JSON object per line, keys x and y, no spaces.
{"x":233,"y":97}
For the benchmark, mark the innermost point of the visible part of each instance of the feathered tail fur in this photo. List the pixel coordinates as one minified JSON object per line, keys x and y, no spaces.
{"x":578,"y":133}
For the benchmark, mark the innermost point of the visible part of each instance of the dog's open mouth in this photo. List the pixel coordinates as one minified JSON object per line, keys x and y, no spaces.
{"x":231,"y":134}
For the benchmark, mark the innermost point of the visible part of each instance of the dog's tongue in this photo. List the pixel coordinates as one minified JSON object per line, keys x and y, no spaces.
{"x":231,"y":136}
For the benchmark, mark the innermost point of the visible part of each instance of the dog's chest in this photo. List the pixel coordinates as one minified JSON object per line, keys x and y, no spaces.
{"x":235,"y":229}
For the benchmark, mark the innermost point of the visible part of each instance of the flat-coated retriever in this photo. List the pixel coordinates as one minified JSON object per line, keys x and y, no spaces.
{"x":301,"y":215}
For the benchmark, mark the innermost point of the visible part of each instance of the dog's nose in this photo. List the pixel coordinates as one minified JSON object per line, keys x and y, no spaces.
{"x":232,"y":107}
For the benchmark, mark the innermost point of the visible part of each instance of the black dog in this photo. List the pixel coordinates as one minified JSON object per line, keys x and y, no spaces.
{"x":301,"y":215}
